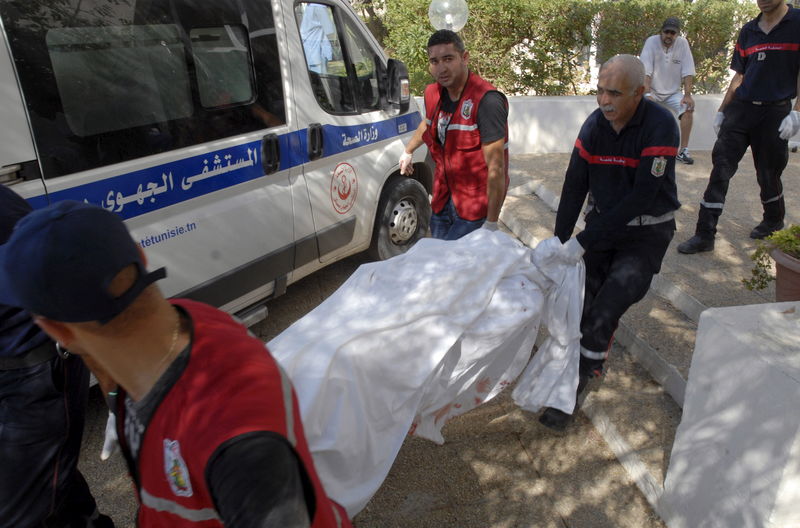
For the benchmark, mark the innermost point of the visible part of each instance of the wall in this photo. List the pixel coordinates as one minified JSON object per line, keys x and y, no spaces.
{"x":541,"y":125}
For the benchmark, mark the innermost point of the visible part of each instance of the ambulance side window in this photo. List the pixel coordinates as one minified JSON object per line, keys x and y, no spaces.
{"x":341,"y":63}
{"x":222,"y":60}
{"x":108,"y":81}
{"x":98,"y":96}
{"x":323,"y":51}
{"x":363,"y":59}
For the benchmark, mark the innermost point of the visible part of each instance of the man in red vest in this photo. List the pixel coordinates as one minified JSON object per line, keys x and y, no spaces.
{"x":466,"y":131}
{"x":208,"y":422}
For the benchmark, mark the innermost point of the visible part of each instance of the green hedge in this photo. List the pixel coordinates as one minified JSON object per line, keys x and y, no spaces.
{"x":543,"y":46}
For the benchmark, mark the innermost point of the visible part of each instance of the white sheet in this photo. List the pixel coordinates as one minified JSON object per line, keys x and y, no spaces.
{"x":405,"y":344}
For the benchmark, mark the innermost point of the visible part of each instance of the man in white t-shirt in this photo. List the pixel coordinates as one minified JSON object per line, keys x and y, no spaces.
{"x":668,"y":66}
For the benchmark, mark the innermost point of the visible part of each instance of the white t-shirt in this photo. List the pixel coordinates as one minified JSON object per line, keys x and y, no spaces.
{"x":667,"y":67}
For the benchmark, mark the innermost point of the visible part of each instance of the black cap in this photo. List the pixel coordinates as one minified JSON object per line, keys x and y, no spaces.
{"x":60,"y":261}
{"x":673,"y":23}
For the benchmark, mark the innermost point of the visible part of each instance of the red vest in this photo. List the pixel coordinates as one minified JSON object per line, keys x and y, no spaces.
{"x":231,"y":386}
{"x":461,"y":170}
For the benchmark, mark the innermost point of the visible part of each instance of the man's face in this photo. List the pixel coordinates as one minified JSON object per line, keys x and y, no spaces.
{"x":447,"y":65}
{"x":616,"y":97}
{"x":668,"y":36}
{"x":767,"y":6}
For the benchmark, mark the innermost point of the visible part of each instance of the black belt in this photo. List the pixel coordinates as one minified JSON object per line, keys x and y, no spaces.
{"x":771,"y":103}
{"x":34,"y":357}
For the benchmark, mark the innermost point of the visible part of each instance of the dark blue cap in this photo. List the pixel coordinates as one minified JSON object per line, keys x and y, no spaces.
{"x":60,"y":260}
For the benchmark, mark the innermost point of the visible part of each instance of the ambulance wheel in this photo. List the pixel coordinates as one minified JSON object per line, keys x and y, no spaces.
{"x":404,"y":213}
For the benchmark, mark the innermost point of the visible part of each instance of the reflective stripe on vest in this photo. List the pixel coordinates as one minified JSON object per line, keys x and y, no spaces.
{"x":336,"y":514}
{"x":462,"y":127}
{"x":591,"y":354}
{"x":166,"y":505}
{"x":286,"y":389}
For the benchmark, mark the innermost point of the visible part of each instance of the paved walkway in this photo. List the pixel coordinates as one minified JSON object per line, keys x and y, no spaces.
{"x":498,"y":467}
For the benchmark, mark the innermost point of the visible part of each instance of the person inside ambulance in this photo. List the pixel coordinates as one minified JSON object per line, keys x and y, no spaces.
{"x":208,"y":423}
{"x":317,"y":32}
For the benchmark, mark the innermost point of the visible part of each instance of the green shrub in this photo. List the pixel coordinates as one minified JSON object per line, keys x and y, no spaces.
{"x":786,"y":240}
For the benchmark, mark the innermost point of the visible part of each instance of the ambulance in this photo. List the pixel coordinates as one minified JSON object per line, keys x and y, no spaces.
{"x":246,"y":143}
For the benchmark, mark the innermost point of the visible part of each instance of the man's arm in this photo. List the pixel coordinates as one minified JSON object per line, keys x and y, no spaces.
{"x":735,"y":83}
{"x":494,"y":155}
{"x":573,"y":194}
{"x":256,"y":480}
{"x":413,"y":144}
{"x":646,"y":56}
{"x":797,"y":101}
{"x":492,"y":121}
{"x":791,"y":123}
{"x":688,"y":83}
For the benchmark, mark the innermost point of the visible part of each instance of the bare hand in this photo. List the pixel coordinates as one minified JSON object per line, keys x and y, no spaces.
{"x":689,"y":102}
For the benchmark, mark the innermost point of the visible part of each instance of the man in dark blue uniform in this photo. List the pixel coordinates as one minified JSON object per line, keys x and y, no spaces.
{"x":756,"y":112}
{"x":42,"y":411}
{"x":625,"y":156}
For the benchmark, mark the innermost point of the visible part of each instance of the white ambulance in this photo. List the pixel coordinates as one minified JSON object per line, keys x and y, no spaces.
{"x":246,"y":143}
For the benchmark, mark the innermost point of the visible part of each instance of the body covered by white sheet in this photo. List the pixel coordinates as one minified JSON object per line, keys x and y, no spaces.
{"x":407,"y":343}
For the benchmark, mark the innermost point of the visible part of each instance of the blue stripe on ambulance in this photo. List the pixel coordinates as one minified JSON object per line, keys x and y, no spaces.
{"x":143,"y":191}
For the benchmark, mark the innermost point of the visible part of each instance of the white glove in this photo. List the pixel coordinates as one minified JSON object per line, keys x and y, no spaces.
{"x":489,"y":226}
{"x":572,"y":251}
{"x":405,"y":162}
{"x":790,"y":125}
{"x":111,"y":442}
{"x":718,"y":119}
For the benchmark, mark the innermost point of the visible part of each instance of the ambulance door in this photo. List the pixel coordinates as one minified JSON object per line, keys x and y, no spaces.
{"x":172,"y":115}
{"x":351,"y":144}
{"x":17,"y":154}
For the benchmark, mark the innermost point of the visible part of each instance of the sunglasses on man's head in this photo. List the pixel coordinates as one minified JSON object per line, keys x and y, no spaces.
{"x":669,"y":31}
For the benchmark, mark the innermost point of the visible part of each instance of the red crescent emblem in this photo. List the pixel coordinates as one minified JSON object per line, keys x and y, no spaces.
{"x":344,"y":188}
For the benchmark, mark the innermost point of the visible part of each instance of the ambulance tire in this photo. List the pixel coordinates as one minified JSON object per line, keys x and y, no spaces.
{"x":403,"y":217}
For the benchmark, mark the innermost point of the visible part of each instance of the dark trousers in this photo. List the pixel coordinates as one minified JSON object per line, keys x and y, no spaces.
{"x":42,"y":414}
{"x":618,"y":274}
{"x":746,"y":125}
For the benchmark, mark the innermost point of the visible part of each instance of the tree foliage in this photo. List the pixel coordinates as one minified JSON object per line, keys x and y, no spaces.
{"x":544,"y":46}
{"x":710,"y":26}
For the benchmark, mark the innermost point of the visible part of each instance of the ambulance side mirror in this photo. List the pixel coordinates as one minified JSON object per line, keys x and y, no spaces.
{"x":398,"y":89}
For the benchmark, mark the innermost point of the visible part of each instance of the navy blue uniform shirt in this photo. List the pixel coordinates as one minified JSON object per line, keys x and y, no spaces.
{"x":18,"y":333}
{"x":769,"y":62}
{"x":629,"y":174}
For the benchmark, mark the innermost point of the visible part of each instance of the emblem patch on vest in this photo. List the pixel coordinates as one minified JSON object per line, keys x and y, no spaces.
{"x":659,"y":166}
{"x":175,"y":469}
{"x":466,"y":109}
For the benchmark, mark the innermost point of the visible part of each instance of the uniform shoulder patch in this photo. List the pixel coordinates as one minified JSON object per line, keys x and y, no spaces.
{"x":175,"y":469}
{"x":659,"y":166}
